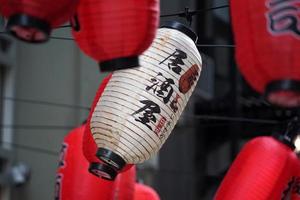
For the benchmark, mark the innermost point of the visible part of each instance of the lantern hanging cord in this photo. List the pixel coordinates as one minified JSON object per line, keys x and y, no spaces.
{"x":187,"y":14}
{"x":200,"y":117}
{"x":198,"y":45}
{"x":47,"y":103}
{"x":195,"y":12}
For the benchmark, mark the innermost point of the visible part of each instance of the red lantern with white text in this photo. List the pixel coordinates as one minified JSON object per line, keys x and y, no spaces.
{"x":32,"y":20}
{"x":73,"y":181}
{"x":267,"y":37}
{"x":116,"y":32}
{"x":144,"y":192}
{"x":263,"y":170}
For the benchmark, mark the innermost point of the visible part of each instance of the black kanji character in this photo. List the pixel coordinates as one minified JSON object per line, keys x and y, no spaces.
{"x":176,"y":59}
{"x":162,"y":89}
{"x":148,"y":111}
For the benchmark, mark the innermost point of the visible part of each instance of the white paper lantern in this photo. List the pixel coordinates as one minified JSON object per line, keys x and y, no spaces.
{"x":140,"y":107}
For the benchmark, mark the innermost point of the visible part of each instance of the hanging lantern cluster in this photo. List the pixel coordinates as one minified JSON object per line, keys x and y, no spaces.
{"x":139,"y":107}
{"x":267,"y":37}
{"x":265,"y":169}
{"x":33,"y":20}
{"x":115,"y":32}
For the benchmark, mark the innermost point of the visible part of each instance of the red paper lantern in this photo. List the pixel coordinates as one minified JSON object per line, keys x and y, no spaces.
{"x":144,"y":192}
{"x":263,"y":170}
{"x":73,"y":181}
{"x":125,"y":185}
{"x":116,"y":32}
{"x":32,"y":20}
{"x":295,"y":184}
{"x":267,"y":37}
{"x":97,"y":167}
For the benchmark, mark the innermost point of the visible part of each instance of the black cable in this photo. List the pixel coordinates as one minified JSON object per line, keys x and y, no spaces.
{"x":195,"y":12}
{"x":31,"y":148}
{"x":64,"y":26}
{"x":36,"y":127}
{"x":61,"y":38}
{"x":46,"y":103}
{"x":216,"y":45}
{"x":185,"y":13}
{"x":236,"y":119}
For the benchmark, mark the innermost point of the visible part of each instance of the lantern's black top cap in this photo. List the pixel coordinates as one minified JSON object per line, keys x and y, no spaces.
{"x":182,"y":28}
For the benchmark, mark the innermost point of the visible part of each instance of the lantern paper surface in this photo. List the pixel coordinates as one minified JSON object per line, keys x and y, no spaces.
{"x":116,"y":32}
{"x":144,"y":192}
{"x":97,"y":167}
{"x":263,"y":170}
{"x":73,"y":181}
{"x":139,"y":107}
{"x":267,"y":37}
{"x":32,"y":20}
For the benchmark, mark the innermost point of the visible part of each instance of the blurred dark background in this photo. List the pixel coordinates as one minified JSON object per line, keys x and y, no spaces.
{"x":46,"y":90}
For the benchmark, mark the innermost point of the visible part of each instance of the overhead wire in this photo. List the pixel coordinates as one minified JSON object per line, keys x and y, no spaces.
{"x":37,"y":127}
{"x":38,"y":102}
{"x":30,"y":148}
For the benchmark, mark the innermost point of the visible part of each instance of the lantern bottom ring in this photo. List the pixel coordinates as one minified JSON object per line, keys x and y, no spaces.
{"x":284,"y":93}
{"x":103,"y":171}
{"x":28,"y":28}
{"x":119,"y":63}
{"x":111,"y":158}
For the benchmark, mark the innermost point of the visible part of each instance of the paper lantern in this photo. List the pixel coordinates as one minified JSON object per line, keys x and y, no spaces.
{"x":144,"y":192}
{"x":97,"y":167}
{"x":295,"y":183}
{"x":125,"y":185}
{"x":73,"y":181}
{"x":32,"y":20}
{"x":116,"y":32}
{"x":267,"y":37}
{"x":263,"y":170}
{"x":140,"y":107}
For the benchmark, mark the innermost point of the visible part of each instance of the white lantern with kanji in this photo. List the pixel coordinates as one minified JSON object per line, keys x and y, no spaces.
{"x":140,"y":107}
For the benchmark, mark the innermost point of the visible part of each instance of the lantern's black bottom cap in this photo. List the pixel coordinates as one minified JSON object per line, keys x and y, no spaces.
{"x":103,"y":171}
{"x":29,"y":29}
{"x":111,"y":158}
{"x":289,"y":88}
{"x":119,"y":63}
{"x":182,"y":28}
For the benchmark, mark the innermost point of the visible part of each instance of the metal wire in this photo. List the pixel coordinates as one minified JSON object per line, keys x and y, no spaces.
{"x":36,"y":102}
{"x":36,"y":127}
{"x":31,"y":148}
{"x":195,"y":12}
